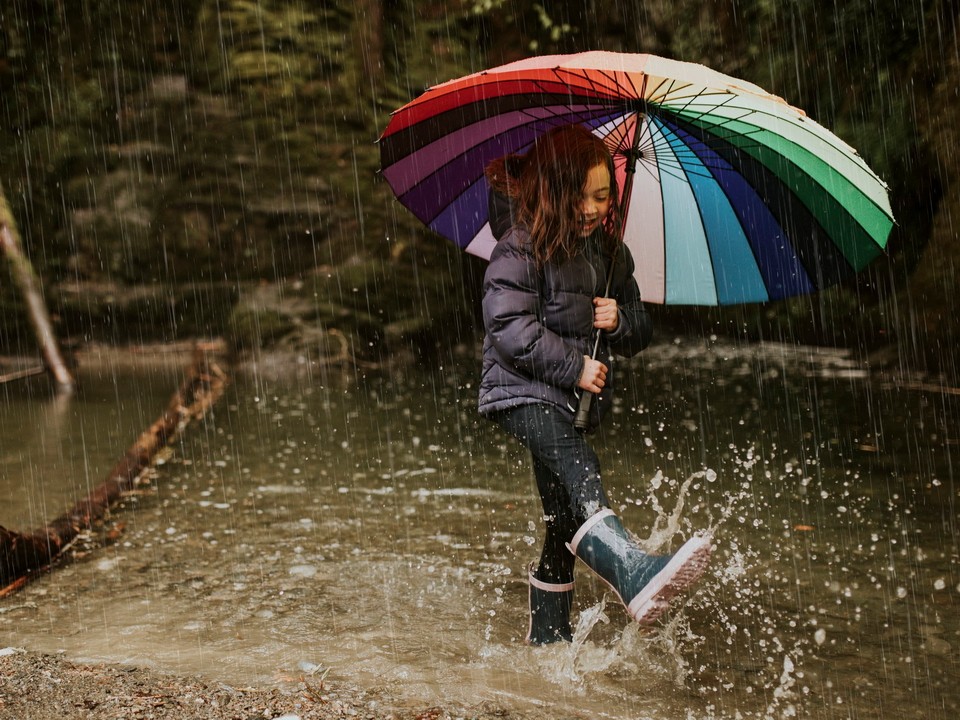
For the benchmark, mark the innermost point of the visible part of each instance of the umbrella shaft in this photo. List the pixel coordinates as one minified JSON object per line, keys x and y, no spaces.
{"x":581,"y":420}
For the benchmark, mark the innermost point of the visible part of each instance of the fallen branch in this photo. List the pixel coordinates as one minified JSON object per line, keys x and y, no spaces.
{"x":24,"y":553}
{"x":923,"y":387}
{"x":25,"y":278}
{"x":21,"y":374}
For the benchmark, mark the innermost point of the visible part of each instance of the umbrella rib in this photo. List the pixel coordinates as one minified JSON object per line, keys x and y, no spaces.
{"x":627,"y":92}
{"x":729,"y":100}
{"x":673,"y":169}
{"x":700,"y":114}
{"x":616,"y":91}
{"x":758,"y":130}
{"x":564,"y":100}
{"x":682,"y":175}
{"x":591,"y":83}
{"x":803,"y":257}
{"x":746,"y":116}
{"x":669,"y":83}
{"x":535,"y":119}
{"x":739,"y":221}
{"x":661,"y":107}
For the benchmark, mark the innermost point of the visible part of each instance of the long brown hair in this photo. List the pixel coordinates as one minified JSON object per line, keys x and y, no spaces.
{"x":545,"y":186}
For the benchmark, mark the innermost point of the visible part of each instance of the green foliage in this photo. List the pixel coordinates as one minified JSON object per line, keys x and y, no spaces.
{"x":275,"y":43}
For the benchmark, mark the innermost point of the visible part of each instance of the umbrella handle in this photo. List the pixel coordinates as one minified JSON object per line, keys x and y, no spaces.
{"x":581,"y":421}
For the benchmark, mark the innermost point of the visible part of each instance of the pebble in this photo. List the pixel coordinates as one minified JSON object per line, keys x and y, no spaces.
{"x":305,"y":571}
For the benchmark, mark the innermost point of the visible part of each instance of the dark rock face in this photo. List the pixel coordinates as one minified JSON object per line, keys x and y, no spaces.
{"x":212,"y":170}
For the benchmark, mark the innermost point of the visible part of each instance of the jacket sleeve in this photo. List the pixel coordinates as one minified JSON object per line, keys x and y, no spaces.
{"x":635,"y":329}
{"x":512,"y":312}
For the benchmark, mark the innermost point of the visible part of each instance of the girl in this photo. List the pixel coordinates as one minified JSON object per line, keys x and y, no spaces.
{"x":556,"y":214}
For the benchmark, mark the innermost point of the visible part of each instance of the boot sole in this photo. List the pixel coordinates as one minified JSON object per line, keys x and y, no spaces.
{"x":684,"y":569}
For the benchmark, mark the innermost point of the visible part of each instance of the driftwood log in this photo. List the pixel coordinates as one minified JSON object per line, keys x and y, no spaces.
{"x":21,"y":374}
{"x":22,"y":555}
{"x":25,"y":278}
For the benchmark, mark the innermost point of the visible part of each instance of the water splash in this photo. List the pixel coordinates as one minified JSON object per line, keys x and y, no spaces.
{"x":728,"y":606}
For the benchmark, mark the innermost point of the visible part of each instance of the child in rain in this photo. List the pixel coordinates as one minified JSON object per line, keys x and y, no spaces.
{"x":555,"y":211}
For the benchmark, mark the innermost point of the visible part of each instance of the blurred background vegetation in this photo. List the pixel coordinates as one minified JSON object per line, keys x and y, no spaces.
{"x":184,"y":168}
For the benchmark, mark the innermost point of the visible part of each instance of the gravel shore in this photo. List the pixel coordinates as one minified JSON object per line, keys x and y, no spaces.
{"x":35,"y":686}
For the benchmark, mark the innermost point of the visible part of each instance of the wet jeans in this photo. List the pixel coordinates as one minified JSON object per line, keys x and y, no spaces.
{"x":567,"y":472}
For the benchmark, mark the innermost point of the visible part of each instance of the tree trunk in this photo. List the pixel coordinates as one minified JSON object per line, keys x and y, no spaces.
{"x":25,"y":279}
{"x":24,"y":553}
{"x":369,"y":33}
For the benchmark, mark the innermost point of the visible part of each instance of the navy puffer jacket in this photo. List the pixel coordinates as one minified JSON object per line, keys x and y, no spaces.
{"x":539,"y":325}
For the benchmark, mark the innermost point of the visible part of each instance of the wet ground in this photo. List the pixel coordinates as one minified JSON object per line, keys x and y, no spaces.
{"x":374,"y":531}
{"x":44,"y":687}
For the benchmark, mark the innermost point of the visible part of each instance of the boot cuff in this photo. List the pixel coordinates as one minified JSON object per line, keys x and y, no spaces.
{"x":585,"y":528}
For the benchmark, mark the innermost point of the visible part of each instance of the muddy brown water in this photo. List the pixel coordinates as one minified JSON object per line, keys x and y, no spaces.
{"x":375,"y":529}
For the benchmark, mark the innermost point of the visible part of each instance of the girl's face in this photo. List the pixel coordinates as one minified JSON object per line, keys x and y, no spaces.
{"x":594,"y":199}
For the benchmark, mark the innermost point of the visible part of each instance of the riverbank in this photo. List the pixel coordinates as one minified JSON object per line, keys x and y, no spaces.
{"x":35,"y":686}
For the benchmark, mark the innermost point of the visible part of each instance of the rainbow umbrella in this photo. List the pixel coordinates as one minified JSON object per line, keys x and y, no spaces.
{"x":737,"y":196}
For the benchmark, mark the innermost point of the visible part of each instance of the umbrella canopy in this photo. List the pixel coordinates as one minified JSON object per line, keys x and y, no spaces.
{"x":737,"y":196}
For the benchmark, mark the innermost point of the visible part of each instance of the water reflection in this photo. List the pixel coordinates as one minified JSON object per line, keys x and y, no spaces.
{"x":377,"y":532}
{"x":55,"y":448}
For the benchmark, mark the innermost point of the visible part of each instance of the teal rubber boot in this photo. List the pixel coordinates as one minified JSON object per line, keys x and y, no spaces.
{"x":550,"y":605}
{"x":644,"y":583}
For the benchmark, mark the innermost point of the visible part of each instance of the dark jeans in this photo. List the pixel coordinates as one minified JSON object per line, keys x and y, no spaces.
{"x":568,"y":477}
